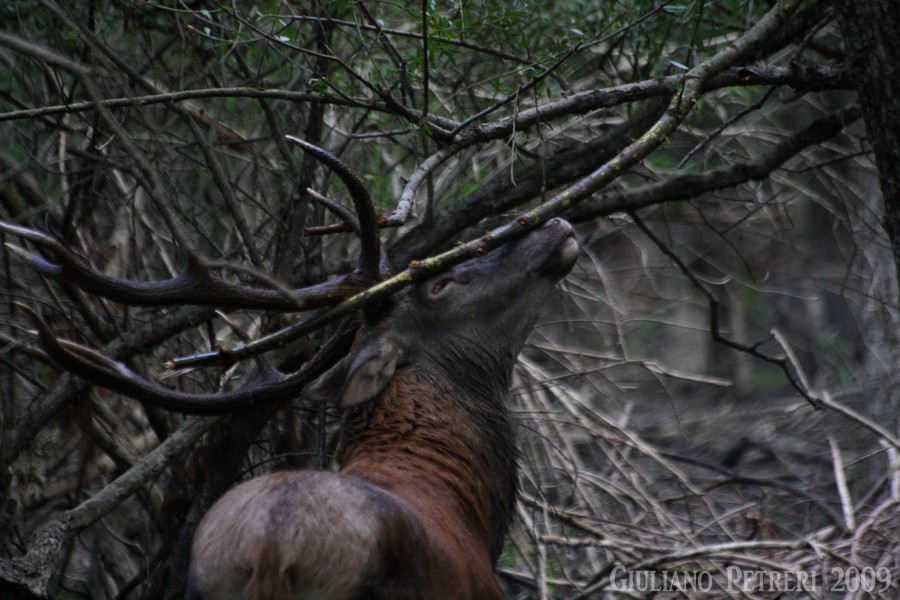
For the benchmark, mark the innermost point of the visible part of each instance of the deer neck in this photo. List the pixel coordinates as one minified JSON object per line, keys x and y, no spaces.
{"x":433,"y":446}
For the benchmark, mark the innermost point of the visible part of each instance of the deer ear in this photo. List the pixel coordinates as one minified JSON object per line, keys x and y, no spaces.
{"x":370,"y":372}
{"x":358,"y":377}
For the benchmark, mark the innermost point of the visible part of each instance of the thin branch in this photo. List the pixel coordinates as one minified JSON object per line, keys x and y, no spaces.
{"x":437,"y":129}
{"x":425,"y":67}
{"x":799,"y":77}
{"x":828,"y":402}
{"x":684,"y":187}
{"x":151,"y":176}
{"x":418,"y":176}
{"x":520,"y":91}
{"x":840,"y":480}
{"x":788,"y":364}
{"x":718,"y":130}
{"x":408,"y":34}
{"x":226,"y":190}
{"x":632,"y":154}
{"x":188,"y":95}
{"x":730,"y":477}
{"x":714,"y":330}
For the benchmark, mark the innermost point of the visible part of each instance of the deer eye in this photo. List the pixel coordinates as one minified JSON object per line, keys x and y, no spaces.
{"x":438,"y":286}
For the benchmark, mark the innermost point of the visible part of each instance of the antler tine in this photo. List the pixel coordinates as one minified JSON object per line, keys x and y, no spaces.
{"x":195,"y":285}
{"x":370,"y":259}
{"x":269,"y":386}
{"x":347,"y":217}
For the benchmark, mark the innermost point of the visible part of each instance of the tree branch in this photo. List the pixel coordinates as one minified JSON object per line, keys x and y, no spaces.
{"x":45,"y":545}
{"x":684,"y":187}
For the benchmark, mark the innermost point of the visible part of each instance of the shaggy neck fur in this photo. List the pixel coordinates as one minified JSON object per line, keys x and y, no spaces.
{"x":430,"y":443}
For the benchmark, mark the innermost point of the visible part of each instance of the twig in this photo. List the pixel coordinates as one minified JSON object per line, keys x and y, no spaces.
{"x":828,"y":402}
{"x":840,"y":480}
{"x":689,"y":186}
{"x":425,"y":67}
{"x":520,"y":91}
{"x":226,"y":190}
{"x":797,"y":383}
{"x":718,"y":130}
{"x":377,"y":28}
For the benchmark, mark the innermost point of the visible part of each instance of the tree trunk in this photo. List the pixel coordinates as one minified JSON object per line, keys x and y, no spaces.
{"x":873,"y":52}
{"x":869,"y":28}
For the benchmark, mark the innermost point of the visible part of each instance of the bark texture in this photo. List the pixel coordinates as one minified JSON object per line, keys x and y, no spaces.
{"x":870,"y":29}
{"x":873,"y":51}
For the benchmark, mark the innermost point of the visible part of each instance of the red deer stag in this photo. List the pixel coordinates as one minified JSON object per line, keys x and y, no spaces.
{"x":427,"y":475}
{"x":427,"y":481}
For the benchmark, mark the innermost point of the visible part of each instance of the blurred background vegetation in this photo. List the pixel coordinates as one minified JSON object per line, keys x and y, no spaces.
{"x":713,"y":385}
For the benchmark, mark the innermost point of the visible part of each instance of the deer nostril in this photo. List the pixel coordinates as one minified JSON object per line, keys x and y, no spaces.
{"x":561,"y":223}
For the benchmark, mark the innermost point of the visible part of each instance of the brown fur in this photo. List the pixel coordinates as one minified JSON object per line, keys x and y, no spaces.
{"x":420,"y":447}
{"x":427,"y":478}
{"x":408,"y":516}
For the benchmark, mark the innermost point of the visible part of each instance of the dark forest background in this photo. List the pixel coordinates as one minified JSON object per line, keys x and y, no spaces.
{"x":714,"y":385}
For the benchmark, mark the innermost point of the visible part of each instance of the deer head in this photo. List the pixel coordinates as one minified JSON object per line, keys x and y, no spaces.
{"x":467,"y":324}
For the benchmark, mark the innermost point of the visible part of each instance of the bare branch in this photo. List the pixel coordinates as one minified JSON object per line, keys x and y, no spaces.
{"x":840,"y":480}
{"x":683,"y":187}
{"x":188,"y":95}
{"x":800,"y":77}
{"x":45,"y":545}
{"x":42,"y":54}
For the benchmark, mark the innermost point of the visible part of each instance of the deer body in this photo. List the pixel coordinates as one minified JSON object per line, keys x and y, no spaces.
{"x":426,"y":486}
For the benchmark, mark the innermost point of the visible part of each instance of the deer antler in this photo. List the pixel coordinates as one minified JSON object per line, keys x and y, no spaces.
{"x":268,"y":386}
{"x":199,"y":285}
{"x":371,"y":262}
{"x":195,"y":285}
